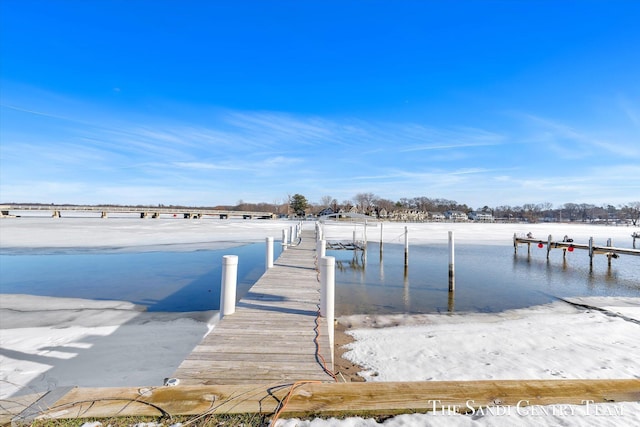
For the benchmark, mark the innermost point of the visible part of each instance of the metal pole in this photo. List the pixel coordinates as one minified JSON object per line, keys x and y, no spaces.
{"x":452,"y":268}
{"x":228,"y":286}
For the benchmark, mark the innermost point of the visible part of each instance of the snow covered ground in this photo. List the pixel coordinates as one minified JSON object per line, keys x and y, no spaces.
{"x":49,"y":342}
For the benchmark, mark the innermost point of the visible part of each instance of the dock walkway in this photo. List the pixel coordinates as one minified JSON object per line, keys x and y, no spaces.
{"x":275,"y":335}
{"x":568,"y":245}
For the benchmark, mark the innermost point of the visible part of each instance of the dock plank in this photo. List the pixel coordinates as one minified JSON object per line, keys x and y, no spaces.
{"x":275,"y":335}
{"x":337,"y":398}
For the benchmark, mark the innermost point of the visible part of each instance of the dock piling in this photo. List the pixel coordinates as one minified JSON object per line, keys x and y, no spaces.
{"x":452,"y":282}
{"x":406,"y":246}
{"x":327,"y":298}
{"x":228,"y":286}
{"x":269,"y":254}
{"x":285,"y":238}
{"x":321,"y":249}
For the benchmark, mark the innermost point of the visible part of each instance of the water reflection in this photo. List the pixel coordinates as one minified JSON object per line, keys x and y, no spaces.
{"x":161,"y":281}
{"x":488,"y":279}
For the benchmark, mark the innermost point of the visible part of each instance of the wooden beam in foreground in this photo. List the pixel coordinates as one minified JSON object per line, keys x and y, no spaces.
{"x":329,"y":398}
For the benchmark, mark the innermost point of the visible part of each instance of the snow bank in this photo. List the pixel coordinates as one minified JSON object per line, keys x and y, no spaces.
{"x":552,"y":341}
{"x":51,"y":342}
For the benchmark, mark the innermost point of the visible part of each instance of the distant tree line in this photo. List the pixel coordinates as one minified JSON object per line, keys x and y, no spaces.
{"x":371,"y":204}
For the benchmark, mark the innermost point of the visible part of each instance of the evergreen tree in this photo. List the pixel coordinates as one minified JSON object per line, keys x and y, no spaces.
{"x":298,"y":204}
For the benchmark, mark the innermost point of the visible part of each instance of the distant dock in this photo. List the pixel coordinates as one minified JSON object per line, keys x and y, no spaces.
{"x":56,"y":211}
{"x":568,"y":245}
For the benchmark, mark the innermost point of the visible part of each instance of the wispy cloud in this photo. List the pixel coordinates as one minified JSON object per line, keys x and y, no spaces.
{"x":571,"y":142}
{"x":244,"y":154}
{"x":445,"y":139}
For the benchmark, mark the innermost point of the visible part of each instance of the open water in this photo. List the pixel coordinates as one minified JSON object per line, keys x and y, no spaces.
{"x":488,"y":278}
{"x":161,"y":281}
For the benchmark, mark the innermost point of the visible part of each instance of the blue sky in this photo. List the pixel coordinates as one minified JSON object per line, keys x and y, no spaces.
{"x":211,"y":102}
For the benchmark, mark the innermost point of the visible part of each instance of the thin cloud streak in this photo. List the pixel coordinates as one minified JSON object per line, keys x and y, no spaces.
{"x":307,"y":154}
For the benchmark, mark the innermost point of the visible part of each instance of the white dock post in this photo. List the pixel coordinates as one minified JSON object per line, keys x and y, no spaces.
{"x":365,"y":234}
{"x":321,"y":249}
{"x":590,"y":251}
{"x":515,"y":244}
{"x":285,"y":237}
{"x":269,"y":254}
{"x":406,"y":246}
{"x":228,"y":286}
{"x":291,"y":235}
{"x":548,"y":245}
{"x":609,"y":254}
{"x":354,"y":238}
{"x":327,"y":298}
{"x":452,"y":268}
{"x":381,"y":244}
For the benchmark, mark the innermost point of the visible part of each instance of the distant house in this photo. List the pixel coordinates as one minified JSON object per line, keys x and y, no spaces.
{"x":437,"y":216}
{"x":456,"y":216}
{"x":326,"y":211}
{"x":481,"y":217}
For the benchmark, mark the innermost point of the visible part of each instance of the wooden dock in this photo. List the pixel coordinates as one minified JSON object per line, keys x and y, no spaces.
{"x":312,"y":399}
{"x":569,"y":245}
{"x":275,"y":335}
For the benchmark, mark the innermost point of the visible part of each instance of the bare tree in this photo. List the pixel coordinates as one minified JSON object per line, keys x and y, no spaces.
{"x":632,"y":211}
{"x":325,"y":201}
{"x":365,"y":201}
{"x":385,"y":204}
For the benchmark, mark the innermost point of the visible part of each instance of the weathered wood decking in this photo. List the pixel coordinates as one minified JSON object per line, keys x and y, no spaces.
{"x":273,"y":336}
{"x":383,"y":398}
